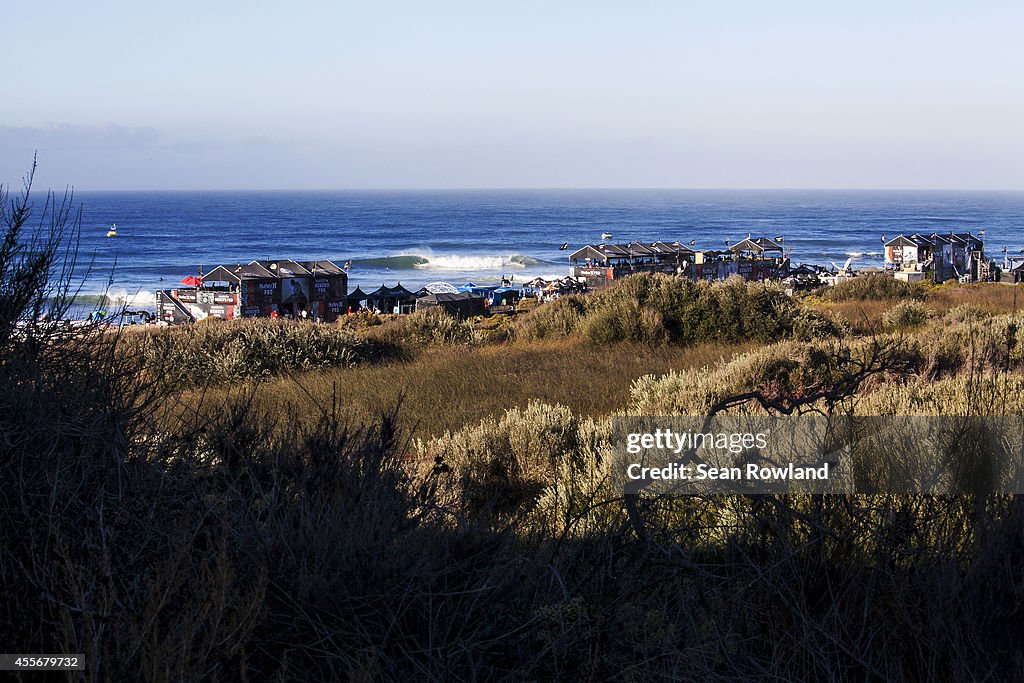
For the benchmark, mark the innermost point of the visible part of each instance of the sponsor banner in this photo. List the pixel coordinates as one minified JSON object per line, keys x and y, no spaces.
{"x":223,"y":297}
{"x":594,"y":272}
{"x":329,"y":288}
{"x":261,"y":291}
{"x":295,"y":290}
{"x":187,"y":296}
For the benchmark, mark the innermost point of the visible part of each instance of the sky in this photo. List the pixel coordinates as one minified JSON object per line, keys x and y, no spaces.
{"x":118,"y":95}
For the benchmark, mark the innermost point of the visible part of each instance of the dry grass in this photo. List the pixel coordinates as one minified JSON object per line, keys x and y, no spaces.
{"x":865,"y":316}
{"x":447,"y":388}
{"x":992,"y":297}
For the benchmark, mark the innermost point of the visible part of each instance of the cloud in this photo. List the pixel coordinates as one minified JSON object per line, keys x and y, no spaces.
{"x":353,"y":156}
{"x":77,"y":137}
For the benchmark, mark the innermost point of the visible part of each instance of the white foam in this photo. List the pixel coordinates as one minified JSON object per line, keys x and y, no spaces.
{"x":460,"y":262}
{"x":122,"y":297}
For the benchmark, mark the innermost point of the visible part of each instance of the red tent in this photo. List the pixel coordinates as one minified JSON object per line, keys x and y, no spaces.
{"x":192,"y":281}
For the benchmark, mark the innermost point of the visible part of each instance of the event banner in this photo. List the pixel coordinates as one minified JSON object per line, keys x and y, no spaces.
{"x":819,"y":454}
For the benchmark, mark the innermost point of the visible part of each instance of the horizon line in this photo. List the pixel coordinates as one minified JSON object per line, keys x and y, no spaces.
{"x":561,"y":189}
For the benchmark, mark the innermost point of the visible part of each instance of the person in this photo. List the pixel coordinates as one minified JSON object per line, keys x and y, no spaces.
{"x":273,"y":314}
{"x":304,"y":314}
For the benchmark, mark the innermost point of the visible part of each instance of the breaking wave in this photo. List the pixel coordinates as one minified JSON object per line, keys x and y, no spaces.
{"x":117,"y":297}
{"x":449,"y":262}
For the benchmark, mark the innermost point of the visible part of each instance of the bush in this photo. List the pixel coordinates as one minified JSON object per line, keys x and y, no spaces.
{"x":502,"y":466}
{"x":658,"y":309}
{"x":966,"y":313}
{"x":783,"y":369}
{"x":559,"y":318}
{"x":875,"y":287}
{"x":435,"y":327}
{"x":984,"y":346}
{"x":905,"y":315}
{"x":221,"y":351}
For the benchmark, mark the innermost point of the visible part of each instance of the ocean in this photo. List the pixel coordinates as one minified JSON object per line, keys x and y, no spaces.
{"x":418,"y":237}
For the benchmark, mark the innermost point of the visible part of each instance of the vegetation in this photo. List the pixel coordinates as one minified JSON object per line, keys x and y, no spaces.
{"x":215,"y":351}
{"x":446,"y":388}
{"x":190,"y":535}
{"x":876,"y":287}
{"x":658,"y":309}
{"x":906,"y":315}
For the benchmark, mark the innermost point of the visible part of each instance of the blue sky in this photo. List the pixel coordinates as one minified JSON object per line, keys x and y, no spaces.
{"x":259,"y":95}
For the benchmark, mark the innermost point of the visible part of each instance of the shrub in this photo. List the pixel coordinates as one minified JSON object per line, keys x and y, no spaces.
{"x":657,"y":309}
{"x":435,"y":326}
{"x":502,"y":466}
{"x":987,"y":345}
{"x":559,"y":318}
{"x":221,"y":351}
{"x":905,"y":315}
{"x":786,"y":368}
{"x":810,"y":324}
{"x":875,"y":287}
{"x":966,"y":313}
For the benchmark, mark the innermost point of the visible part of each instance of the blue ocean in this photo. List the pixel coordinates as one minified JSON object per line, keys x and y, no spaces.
{"x":418,"y":237}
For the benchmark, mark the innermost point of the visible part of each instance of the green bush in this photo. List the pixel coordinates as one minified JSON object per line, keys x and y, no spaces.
{"x":875,"y":287}
{"x":435,"y":326}
{"x":503,"y":465}
{"x":986,"y":345}
{"x":966,"y":313}
{"x":784,"y":369}
{"x":905,"y":315}
{"x":657,"y":309}
{"x":220,"y":351}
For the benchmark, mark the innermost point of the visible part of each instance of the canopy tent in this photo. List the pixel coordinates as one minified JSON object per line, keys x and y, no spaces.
{"x":504,"y":296}
{"x":356,"y":297}
{"x":192,"y":281}
{"x":461,"y":304}
{"x":388,"y":299}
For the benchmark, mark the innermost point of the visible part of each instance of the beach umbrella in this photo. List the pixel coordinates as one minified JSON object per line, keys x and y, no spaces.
{"x":192,"y":281}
